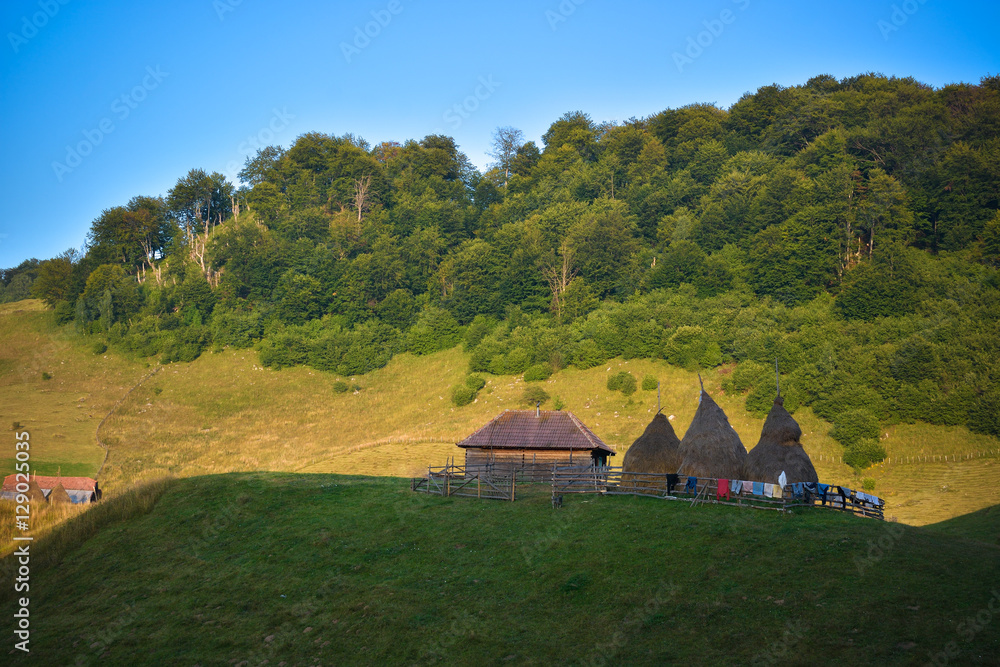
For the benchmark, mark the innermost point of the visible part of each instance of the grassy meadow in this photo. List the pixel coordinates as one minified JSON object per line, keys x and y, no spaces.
{"x":225,"y":413}
{"x":293,"y":569}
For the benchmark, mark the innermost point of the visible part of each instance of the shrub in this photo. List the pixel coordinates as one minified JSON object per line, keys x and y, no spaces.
{"x":868,"y":484}
{"x":462,"y":394}
{"x":854,"y":426}
{"x":649,"y":383}
{"x":538,"y":372}
{"x":747,"y":374}
{"x":864,"y":453}
{"x":340,"y":387}
{"x":434,"y":330}
{"x":534,"y":394}
{"x":99,"y":347}
{"x":761,"y":398}
{"x":475,"y":382}
{"x":64,"y":312}
{"x":46,"y":375}
{"x":622,"y":381}
{"x":558,"y":403}
{"x":587,"y":354}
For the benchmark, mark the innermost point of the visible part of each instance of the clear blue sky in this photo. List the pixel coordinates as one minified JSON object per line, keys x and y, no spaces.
{"x":200,"y":77}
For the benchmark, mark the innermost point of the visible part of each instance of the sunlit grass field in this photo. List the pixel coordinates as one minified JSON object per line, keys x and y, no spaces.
{"x":225,"y":413}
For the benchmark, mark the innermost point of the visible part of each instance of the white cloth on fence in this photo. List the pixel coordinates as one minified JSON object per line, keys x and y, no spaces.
{"x":782,"y":480}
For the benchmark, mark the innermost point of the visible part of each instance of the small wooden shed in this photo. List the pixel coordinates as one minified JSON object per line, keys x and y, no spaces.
{"x":534,"y":441}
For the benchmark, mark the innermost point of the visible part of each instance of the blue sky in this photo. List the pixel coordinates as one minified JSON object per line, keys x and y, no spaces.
{"x":151,"y":90}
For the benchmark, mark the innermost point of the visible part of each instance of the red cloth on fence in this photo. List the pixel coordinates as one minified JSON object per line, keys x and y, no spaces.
{"x":722,"y":490}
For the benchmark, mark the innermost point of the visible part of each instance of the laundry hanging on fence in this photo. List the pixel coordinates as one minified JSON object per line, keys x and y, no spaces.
{"x":758,"y":488}
{"x":823,"y":488}
{"x":692,"y":485}
{"x":798,"y":491}
{"x":722,"y":489}
{"x":747,"y":487}
{"x":735,"y":486}
{"x":672,"y":480}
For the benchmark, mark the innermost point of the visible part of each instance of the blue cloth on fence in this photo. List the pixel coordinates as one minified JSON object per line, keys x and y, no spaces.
{"x":823,"y":488}
{"x":692,"y":484}
{"x":846,"y":492}
{"x":758,"y":488}
{"x":797,"y":490}
{"x":735,"y":486}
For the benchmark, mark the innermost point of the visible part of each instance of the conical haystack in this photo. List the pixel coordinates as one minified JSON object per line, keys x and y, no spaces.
{"x":711,"y":448}
{"x":779,"y":450}
{"x":59,"y":495}
{"x":35,"y":493}
{"x":655,"y":451}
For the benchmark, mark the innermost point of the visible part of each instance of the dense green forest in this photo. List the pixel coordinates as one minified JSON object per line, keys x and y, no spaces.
{"x":848,"y":229}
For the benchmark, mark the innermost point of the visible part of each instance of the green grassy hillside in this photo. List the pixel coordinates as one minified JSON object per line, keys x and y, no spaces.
{"x":224,"y":413}
{"x":325,"y":569}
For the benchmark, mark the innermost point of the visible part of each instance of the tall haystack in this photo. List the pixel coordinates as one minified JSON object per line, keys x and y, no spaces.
{"x":779,"y":450}
{"x":35,"y":493}
{"x":59,"y":495}
{"x":711,"y":448}
{"x":655,"y":451}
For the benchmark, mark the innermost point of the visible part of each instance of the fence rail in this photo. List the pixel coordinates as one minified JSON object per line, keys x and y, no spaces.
{"x":613,"y":481}
{"x":493,"y":482}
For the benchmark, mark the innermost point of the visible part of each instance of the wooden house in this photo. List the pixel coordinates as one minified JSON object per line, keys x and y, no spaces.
{"x":534,"y":441}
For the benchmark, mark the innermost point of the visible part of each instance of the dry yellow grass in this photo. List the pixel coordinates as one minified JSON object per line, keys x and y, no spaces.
{"x":224,"y":413}
{"x":62,"y":413}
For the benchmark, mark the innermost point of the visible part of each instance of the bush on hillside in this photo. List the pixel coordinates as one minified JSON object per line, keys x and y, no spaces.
{"x":475,"y":382}
{"x":462,"y":394}
{"x":622,"y":381}
{"x":340,"y":387}
{"x":533,"y":394}
{"x":864,"y":453}
{"x":649,"y":383}
{"x":746,"y":375}
{"x":436,"y":329}
{"x":854,"y":426}
{"x":538,"y":372}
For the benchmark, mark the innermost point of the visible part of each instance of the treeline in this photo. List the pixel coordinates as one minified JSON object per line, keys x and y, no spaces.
{"x":849,"y":229}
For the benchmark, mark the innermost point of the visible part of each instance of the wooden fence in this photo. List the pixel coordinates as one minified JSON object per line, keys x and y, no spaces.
{"x":612,"y":481}
{"x":493,"y":482}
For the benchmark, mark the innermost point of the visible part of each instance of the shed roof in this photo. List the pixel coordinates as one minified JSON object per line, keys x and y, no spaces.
{"x":522,"y":429}
{"x":48,"y":483}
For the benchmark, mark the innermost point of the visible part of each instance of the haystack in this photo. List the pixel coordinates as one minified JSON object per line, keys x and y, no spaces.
{"x":779,"y":450}
{"x":35,"y":493}
{"x":59,"y":495}
{"x":655,"y":451}
{"x":711,"y":448}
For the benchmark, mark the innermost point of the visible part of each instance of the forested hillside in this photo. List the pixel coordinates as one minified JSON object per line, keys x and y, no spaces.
{"x":848,"y":229}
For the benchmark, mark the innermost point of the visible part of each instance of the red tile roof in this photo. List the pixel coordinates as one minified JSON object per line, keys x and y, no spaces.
{"x":69,"y":483}
{"x":521,"y":429}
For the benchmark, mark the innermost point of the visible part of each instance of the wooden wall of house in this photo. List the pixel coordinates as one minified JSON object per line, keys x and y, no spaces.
{"x":538,"y":462}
